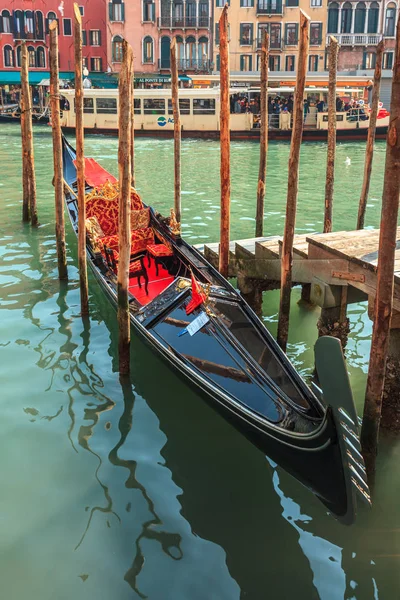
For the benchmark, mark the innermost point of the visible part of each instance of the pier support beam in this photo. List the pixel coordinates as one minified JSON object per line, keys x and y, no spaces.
{"x":333,"y":301}
{"x":390,"y":420}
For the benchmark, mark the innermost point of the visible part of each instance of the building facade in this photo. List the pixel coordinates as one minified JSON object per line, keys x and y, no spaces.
{"x":29,"y":20}
{"x":150,"y":25}
{"x":359,"y":27}
{"x":249,"y":19}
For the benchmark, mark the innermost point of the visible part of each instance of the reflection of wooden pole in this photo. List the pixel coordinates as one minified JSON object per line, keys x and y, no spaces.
{"x":80,"y":162}
{"x":225,"y":143}
{"x":57,"y":152}
{"x":124,"y":163}
{"x":384,"y":288}
{"x":28,"y":168}
{"x":133,"y":178}
{"x":263,"y":135}
{"x":293,"y":182}
{"x":369,"y":152}
{"x":330,"y":163}
{"x":177,"y":131}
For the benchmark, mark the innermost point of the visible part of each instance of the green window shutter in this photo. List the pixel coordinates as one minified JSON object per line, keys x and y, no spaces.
{"x":297,"y":33}
{"x":218,"y":63}
{"x":153,"y":12}
{"x":241,"y":32}
{"x":123,"y":11}
{"x":110,"y":11}
{"x":250,"y":63}
{"x":99,"y":37}
{"x":286,"y":33}
{"x":364,"y":62}
{"x":242,"y":63}
{"x":252,"y":3}
{"x":251,"y":34}
{"x":101,"y":64}
{"x":217,"y":33}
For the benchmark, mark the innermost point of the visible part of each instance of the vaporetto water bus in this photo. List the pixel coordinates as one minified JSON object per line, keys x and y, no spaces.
{"x":200,"y":110}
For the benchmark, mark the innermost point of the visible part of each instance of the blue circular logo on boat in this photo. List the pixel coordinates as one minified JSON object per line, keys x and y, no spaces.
{"x":162,"y":121}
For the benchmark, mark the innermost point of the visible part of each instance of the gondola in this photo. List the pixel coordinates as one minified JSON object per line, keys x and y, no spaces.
{"x":197,"y":322}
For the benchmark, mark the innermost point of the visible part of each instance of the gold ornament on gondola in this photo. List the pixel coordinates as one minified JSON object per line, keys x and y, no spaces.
{"x":173,"y":223}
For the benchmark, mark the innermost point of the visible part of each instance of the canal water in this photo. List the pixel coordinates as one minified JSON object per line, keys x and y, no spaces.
{"x":141,"y":490}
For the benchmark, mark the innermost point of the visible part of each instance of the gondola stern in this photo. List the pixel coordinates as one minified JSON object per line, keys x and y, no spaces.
{"x":334,"y":381}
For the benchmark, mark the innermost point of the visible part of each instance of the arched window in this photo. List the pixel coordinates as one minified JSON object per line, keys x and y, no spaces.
{"x":8,"y":56}
{"x":177,"y":14}
{"x":373,"y":17}
{"x":333,"y":17}
{"x":191,"y":52}
{"x":18,"y":56}
{"x":5,"y":22}
{"x":203,"y":50}
{"x":18,"y":23}
{"x":31,"y":56}
{"x":180,"y":51}
{"x":116,"y":10}
{"x":39,"y":29}
{"x":390,"y":20}
{"x":40,"y":57}
{"x":165,"y":52}
{"x":190,"y":13}
{"x":116,"y":47}
{"x":29,"y":24}
{"x":359,"y":18}
{"x":148,"y":50}
{"x":347,"y":18}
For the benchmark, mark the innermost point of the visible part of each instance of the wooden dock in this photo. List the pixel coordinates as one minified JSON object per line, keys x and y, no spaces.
{"x":343,"y":258}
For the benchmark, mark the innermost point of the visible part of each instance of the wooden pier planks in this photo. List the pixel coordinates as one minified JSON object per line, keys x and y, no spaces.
{"x":353,"y":254}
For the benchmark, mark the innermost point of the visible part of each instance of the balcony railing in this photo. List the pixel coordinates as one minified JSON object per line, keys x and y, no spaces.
{"x":357,"y":39}
{"x":183,"y":22}
{"x":273,"y":44}
{"x":187,"y":64}
{"x":269,"y":7}
{"x":26,"y":35}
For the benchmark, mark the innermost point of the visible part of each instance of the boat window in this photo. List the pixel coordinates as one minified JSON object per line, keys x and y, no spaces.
{"x":154,"y":106}
{"x":218,"y":361}
{"x":137,"y":106}
{"x":88,"y":105}
{"x":184,"y":106}
{"x":243,"y":330}
{"x":106,"y":106}
{"x":204,"y":107}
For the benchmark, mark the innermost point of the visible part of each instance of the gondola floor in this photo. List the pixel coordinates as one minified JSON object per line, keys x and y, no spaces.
{"x":157,"y":283}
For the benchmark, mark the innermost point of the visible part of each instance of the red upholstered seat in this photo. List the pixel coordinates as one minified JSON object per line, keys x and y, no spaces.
{"x":139,"y":240}
{"x":135,"y":266}
{"x":159,"y":250}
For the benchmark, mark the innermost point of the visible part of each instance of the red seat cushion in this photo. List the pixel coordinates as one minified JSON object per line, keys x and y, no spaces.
{"x":135,"y":266}
{"x":159,"y":250}
{"x":139,"y":240}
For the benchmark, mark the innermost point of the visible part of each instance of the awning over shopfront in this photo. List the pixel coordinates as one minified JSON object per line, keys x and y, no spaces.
{"x":35,"y":77}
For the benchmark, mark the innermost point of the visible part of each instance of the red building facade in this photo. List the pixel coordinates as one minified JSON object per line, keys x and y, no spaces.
{"x":28,"y":20}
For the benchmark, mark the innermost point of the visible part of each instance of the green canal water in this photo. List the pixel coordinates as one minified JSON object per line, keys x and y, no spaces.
{"x":142,"y":491}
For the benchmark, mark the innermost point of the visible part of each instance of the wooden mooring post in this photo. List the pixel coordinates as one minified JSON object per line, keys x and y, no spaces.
{"x":293,"y":183}
{"x":57,"y":152}
{"x":29,"y":207}
{"x":124,"y":228}
{"x":80,"y":162}
{"x":224,"y":124}
{"x":177,"y":131}
{"x":330,"y":163}
{"x":133,"y":177}
{"x":385,"y":276}
{"x":369,"y":151}
{"x":263,"y":135}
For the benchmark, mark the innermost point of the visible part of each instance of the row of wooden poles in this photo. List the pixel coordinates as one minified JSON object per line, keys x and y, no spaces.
{"x":387,"y":242}
{"x":390,"y":201}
